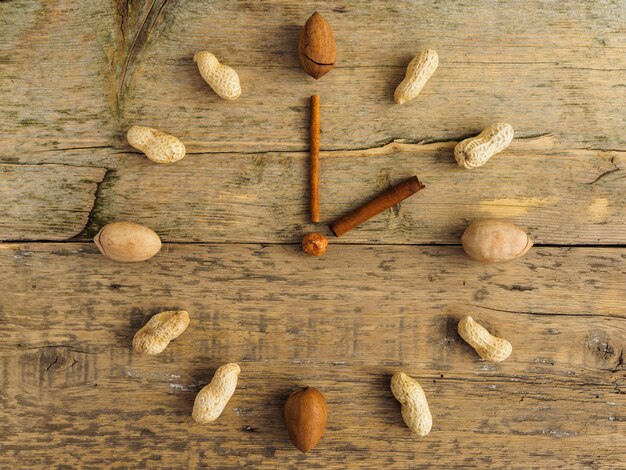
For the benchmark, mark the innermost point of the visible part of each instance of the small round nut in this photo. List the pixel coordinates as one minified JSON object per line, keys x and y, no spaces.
{"x":314,"y":244}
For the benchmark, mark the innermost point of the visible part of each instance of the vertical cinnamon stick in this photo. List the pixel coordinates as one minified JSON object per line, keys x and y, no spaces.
{"x":383,"y":201}
{"x":315,"y":158}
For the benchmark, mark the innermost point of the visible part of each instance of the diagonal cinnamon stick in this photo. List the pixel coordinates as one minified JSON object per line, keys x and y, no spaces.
{"x":383,"y":201}
{"x":315,"y":158}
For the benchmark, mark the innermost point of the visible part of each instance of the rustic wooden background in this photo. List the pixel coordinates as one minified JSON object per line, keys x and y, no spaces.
{"x":74,"y":75}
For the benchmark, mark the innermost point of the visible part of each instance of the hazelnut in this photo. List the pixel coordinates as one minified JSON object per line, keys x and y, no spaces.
{"x":314,"y":244}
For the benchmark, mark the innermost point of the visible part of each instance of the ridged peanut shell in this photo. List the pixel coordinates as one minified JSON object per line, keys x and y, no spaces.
{"x":127,"y":242}
{"x":415,"y":410}
{"x":487,"y":346}
{"x":419,"y":70}
{"x":316,"y":47}
{"x":162,"y":328}
{"x":156,"y":145}
{"x":212,"y":399}
{"x":306,"y":412}
{"x":493,"y":241}
{"x":475,"y":151}
{"x":221,"y":78}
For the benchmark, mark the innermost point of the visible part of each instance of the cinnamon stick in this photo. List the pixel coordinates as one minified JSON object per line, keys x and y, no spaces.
{"x":315,"y":158}
{"x":383,"y":201}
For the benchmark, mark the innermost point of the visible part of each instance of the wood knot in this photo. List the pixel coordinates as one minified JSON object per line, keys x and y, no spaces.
{"x":603,"y":349}
{"x":56,"y":359}
{"x":58,"y":364}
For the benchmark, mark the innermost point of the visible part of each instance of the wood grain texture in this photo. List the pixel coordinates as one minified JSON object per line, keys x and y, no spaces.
{"x":68,"y":70}
{"x":75,"y":75}
{"x":54,"y":66}
{"x":53,"y":201}
{"x":343,"y":324}
{"x":559,"y":196}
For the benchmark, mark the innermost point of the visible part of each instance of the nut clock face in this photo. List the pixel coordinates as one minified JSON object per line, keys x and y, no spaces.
{"x":306,"y":410}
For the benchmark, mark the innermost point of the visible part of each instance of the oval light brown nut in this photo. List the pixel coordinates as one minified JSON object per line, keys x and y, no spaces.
{"x":158,"y":146}
{"x":221,"y":78}
{"x":314,"y":244}
{"x":493,"y":241}
{"x":475,"y":151}
{"x":305,"y":417}
{"x":212,"y":399}
{"x":162,"y":328}
{"x":415,"y":410}
{"x":316,"y":47}
{"x":487,"y":346}
{"x":127,"y":242}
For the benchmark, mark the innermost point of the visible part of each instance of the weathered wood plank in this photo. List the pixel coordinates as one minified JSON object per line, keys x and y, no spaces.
{"x":343,"y":323}
{"x":78,"y":75}
{"x":559,"y":196}
{"x":75,"y":75}
{"x":358,"y":109}
{"x":264,"y":197}
{"x":143,"y":418}
{"x":54,"y":78}
{"x":264,"y":302}
{"x":47,"y":202}
{"x":355,"y":281}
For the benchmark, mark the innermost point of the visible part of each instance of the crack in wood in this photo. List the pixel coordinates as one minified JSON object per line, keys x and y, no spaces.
{"x":51,"y":164}
{"x":56,"y":359}
{"x":78,"y":240}
{"x":61,"y":367}
{"x":606,"y":173}
{"x":90,"y":147}
{"x":620,"y":363}
{"x":74,"y":362}
{"x":592,"y":315}
{"x":139,"y":41}
{"x":382,"y":147}
{"x":389,"y":145}
{"x":53,"y":346}
{"x":93,"y":224}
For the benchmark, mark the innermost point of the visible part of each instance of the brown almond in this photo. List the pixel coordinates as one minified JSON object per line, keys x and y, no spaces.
{"x":127,"y":242}
{"x":305,"y":417}
{"x":493,"y":241}
{"x":316,"y":48}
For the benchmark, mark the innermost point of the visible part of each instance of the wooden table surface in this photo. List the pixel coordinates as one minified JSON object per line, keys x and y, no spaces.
{"x":74,"y":75}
